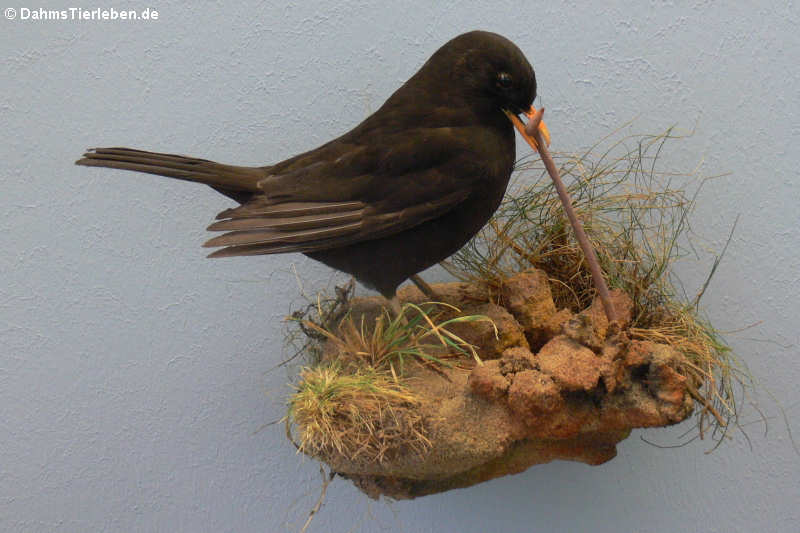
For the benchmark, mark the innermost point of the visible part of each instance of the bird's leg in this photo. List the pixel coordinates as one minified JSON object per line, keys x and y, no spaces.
{"x":394,"y":305}
{"x":426,"y":289}
{"x":396,"y":308}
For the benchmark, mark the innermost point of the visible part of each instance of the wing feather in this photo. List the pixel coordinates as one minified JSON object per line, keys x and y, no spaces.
{"x":320,"y":206}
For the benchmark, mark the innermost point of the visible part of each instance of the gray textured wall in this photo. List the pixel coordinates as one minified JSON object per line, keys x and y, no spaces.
{"x":133,"y":372}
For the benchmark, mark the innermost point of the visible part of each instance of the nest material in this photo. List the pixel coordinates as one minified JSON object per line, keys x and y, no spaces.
{"x":553,"y":385}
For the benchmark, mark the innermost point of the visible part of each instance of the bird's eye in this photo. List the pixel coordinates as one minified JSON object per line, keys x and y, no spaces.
{"x":504,"y":80}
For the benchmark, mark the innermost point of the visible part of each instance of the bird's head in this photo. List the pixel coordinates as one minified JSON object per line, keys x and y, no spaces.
{"x":476,"y":75}
{"x":486,"y":69}
{"x":491,"y":71}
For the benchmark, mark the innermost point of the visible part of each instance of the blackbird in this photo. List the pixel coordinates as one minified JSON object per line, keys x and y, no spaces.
{"x":398,"y":193}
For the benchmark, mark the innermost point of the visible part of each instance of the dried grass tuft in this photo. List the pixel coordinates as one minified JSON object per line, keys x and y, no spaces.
{"x":357,"y":404}
{"x":365,"y":414}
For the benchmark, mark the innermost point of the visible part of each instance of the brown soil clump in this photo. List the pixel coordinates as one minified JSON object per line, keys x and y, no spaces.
{"x":552,"y":385}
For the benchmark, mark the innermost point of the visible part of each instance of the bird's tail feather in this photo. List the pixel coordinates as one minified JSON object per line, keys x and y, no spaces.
{"x":224,"y":178}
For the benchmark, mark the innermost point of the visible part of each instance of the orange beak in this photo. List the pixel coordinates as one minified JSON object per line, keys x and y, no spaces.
{"x":535,"y":129}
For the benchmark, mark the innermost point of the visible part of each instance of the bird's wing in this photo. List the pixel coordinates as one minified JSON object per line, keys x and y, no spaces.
{"x":343,"y":193}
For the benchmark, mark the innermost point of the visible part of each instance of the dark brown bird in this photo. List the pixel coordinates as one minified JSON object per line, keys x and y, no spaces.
{"x":398,"y":193}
